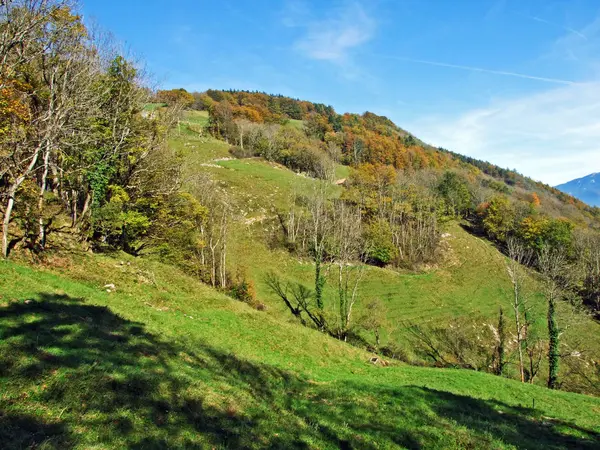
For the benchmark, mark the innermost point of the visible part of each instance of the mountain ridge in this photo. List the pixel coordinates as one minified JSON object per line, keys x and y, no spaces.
{"x":585,"y":188}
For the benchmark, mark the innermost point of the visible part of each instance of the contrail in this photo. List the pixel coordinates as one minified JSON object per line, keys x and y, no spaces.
{"x":477,"y":69}
{"x":570,"y":30}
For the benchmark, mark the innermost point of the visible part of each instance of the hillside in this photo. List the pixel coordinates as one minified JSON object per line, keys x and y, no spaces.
{"x":163,"y":361}
{"x":471,"y":279}
{"x":370,"y":138}
{"x":585,"y":189}
{"x":232,"y":269}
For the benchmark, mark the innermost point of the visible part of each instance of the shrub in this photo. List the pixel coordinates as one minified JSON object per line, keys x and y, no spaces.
{"x":239,"y":152}
{"x":381,"y":250}
{"x":243,"y":288}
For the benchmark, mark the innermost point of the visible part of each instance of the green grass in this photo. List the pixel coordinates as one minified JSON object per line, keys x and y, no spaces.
{"x":294,"y":123}
{"x":471,"y":280}
{"x":199,"y":118}
{"x":154,"y":106}
{"x":165,"y":362}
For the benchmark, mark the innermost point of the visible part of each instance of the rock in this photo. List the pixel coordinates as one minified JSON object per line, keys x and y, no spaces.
{"x":377,"y":361}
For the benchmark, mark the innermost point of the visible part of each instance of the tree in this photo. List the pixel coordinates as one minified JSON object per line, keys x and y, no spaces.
{"x":213,"y":231}
{"x":454,"y":189}
{"x":587,"y":249}
{"x":497,"y":218}
{"x":298,"y":299}
{"x":347,"y":248}
{"x":319,"y":229}
{"x":374,"y":319}
{"x":553,"y":265}
{"x":60,"y":71}
{"x":220,"y":121}
{"x":176,"y":96}
{"x":499,"y":355}
{"x":519,"y":256}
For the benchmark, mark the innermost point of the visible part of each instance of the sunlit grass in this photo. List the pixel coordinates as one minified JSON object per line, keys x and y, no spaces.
{"x":166,"y":361}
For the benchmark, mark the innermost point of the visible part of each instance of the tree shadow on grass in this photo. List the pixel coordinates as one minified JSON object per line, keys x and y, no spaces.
{"x":78,"y":375}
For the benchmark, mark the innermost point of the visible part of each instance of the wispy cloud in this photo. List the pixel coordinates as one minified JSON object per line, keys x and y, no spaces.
{"x":570,"y":30}
{"x":585,"y":53}
{"x":553,"y":136}
{"x":556,"y":25}
{"x":333,"y":37}
{"x":475,"y":69}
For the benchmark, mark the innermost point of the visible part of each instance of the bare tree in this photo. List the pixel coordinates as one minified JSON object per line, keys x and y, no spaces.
{"x":519,"y":256}
{"x":298,"y":298}
{"x":587,"y":246}
{"x":374,"y":318}
{"x":214,"y":231}
{"x":244,"y":126}
{"x":319,"y":229}
{"x":347,"y":250}
{"x":55,"y":46}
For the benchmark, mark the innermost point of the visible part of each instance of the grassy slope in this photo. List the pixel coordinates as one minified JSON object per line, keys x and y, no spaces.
{"x":472,"y":281}
{"x":165,"y":361}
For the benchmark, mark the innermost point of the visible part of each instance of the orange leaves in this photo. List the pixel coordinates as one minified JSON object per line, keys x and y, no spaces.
{"x":374,"y":175}
{"x":249,"y":112}
{"x":175,"y":96}
{"x":14,"y":109}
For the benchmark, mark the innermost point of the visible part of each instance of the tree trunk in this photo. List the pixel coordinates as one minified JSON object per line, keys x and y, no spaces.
{"x":12,"y":191}
{"x":553,"y":350}
{"x":519,"y":342}
{"x":42,"y":225}
{"x":6,"y":222}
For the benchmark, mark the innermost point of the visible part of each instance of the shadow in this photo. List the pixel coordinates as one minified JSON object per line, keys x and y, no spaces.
{"x":78,"y":375}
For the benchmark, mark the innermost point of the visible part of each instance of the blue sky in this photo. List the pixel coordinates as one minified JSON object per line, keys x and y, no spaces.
{"x":514,"y":82}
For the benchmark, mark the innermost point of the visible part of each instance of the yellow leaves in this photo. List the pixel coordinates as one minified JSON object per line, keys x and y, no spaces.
{"x":13,"y":103}
{"x":118,"y":194}
{"x":532,"y":228}
{"x":63,"y":16}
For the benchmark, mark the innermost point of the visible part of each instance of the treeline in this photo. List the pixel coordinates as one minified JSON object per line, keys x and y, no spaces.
{"x":352,"y":138}
{"x":515,"y":179}
{"x":346,"y":138}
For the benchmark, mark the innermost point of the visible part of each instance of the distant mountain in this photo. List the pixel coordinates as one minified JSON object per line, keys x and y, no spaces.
{"x":586,"y":189}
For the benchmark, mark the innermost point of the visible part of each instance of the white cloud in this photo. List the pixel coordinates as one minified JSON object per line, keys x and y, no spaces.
{"x":332,"y":38}
{"x":580,"y":53}
{"x":553,"y":136}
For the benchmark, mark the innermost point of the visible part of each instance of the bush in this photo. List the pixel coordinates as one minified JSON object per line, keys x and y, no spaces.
{"x":243,"y":288}
{"x":381,"y":247}
{"x":239,"y":152}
